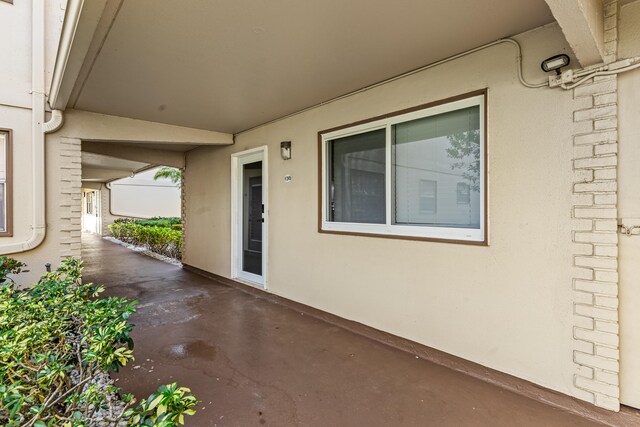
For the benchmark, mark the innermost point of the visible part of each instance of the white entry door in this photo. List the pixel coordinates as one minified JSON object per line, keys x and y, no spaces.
{"x":249,"y":216}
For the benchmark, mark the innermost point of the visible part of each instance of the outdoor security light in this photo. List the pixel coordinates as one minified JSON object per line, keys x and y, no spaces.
{"x":555,"y":63}
{"x":285,"y":150}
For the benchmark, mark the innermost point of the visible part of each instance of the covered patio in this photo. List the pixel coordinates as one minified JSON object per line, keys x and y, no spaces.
{"x":254,"y":362}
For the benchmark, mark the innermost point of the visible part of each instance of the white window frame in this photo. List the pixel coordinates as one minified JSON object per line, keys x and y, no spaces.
{"x":409,"y":231}
{"x":6,"y":138}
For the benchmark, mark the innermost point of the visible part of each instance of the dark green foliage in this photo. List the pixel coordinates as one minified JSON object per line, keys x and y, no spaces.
{"x":161,"y":240}
{"x":160,"y":222}
{"x":58,"y":330}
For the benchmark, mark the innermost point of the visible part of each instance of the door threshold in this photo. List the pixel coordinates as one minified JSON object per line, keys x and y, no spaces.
{"x":254,"y":284}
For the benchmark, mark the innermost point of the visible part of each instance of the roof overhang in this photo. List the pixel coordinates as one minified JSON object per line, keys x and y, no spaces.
{"x":229,"y":66}
{"x":582,"y":22}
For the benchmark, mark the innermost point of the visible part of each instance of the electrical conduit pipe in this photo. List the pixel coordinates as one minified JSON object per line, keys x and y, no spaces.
{"x":38,"y":130}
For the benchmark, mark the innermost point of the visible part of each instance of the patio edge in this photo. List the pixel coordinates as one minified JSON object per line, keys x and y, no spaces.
{"x":627,"y":417}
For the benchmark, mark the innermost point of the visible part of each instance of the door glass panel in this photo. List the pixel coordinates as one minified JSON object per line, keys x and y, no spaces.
{"x":252,"y":209}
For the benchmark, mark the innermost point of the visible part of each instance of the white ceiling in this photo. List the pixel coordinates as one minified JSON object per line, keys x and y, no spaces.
{"x":231,"y":65}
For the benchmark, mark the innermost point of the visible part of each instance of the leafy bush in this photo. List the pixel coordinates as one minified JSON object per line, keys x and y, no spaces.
{"x":167,"y":222}
{"x":123,"y":220}
{"x":160,"y":222}
{"x":161,"y":240}
{"x":55,"y":339}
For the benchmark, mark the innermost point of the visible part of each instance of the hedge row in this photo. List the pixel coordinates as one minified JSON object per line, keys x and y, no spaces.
{"x":161,"y":240}
{"x":166,"y":222}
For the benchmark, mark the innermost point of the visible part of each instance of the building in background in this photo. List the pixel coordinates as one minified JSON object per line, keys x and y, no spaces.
{"x":140,"y":196}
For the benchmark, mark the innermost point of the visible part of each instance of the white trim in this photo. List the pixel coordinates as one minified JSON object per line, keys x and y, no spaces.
{"x":237,"y":160}
{"x":445,"y":233}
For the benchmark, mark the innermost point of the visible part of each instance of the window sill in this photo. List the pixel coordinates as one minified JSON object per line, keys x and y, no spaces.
{"x":458,"y":241}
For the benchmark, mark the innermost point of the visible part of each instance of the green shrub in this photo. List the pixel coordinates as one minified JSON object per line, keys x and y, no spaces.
{"x":159,"y":222}
{"x":161,"y":240}
{"x":119,"y":220}
{"x":54,"y":339}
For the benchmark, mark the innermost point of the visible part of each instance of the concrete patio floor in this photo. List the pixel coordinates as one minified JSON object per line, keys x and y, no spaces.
{"x":253,"y":362}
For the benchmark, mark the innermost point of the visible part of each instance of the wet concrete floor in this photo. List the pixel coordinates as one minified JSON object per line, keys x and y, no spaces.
{"x":253,"y":362}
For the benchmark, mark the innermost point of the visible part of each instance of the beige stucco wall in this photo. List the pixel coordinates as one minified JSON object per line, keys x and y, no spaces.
{"x":143,"y":197}
{"x":629,"y":205}
{"x":15,"y":113}
{"x":507,"y":306}
{"x":629,"y":88}
{"x":52,"y":249}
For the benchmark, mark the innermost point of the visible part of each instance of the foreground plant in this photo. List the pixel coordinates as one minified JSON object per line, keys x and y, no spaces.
{"x":57,"y":341}
{"x":166,"y":407}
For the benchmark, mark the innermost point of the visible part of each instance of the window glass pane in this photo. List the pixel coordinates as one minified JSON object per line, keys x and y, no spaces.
{"x":428,"y":196}
{"x":431,"y":156}
{"x":464,"y":193}
{"x":356,"y":187}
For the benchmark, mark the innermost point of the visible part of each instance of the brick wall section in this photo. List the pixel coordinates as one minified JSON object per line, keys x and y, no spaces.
{"x":70,"y":197}
{"x":595,"y":237}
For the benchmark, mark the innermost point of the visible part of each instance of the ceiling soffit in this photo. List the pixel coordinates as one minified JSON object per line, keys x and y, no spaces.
{"x":229,"y":66}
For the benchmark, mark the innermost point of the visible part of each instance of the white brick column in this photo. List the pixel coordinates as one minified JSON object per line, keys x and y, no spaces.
{"x":70,"y":197}
{"x":595,"y":238}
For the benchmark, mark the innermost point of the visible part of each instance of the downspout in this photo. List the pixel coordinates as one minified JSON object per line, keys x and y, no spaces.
{"x":38,"y":130}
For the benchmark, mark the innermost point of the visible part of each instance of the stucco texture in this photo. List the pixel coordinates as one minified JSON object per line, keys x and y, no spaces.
{"x":507,"y":306}
{"x":629,"y":206}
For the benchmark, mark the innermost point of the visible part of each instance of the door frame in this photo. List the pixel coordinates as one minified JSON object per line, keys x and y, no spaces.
{"x":237,"y":161}
{"x":96,"y":217}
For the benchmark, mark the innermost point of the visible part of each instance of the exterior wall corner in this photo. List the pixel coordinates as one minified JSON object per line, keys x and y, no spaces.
{"x":596,"y":353}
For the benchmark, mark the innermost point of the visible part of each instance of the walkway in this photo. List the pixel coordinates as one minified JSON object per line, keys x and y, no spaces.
{"x":253,"y":362}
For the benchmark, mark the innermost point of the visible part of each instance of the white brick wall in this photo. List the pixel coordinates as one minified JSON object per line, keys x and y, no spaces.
{"x":70,"y":197}
{"x":595,"y":250}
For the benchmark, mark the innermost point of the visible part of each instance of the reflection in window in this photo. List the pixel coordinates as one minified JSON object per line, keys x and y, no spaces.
{"x":428,"y":196}
{"x":463,"y":195}
{"x":437,"y":152}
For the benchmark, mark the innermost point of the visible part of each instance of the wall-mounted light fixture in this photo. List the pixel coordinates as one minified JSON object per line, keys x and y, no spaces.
{"x":285,"y":150}
{"x":555,"y":63}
